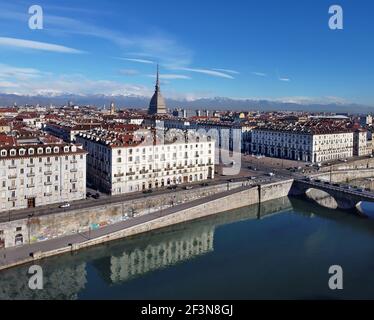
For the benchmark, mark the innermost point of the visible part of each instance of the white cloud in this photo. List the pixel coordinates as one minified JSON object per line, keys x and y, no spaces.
{"x":137,"y":60}
{"x":227,"y":71}
{"x":205,"y":71}
{"x":36,"y":45}
{"x":284,"y":79}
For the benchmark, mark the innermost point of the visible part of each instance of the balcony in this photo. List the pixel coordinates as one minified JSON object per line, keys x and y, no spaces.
{"x":30,"y":165}
{"x":48,"y":183}
{"x":12,"y":176}
{"x":73,"y":161}
{"x":31,"y":185}
{"x":143,"y":171}
{"x":73,"y":180}
{"x":12,"y":199}
{"x":12,"y":188}
{"x":156,"y":170}
{"x":48,"y":173}
{"x":130,"y":173}
{"x":48,"y":164}
{"x":47,"y":194}
{"x":12,"y":166}
{"x":73,"y":190}
{"x":31,"y":174}
{"x":74,"y":170}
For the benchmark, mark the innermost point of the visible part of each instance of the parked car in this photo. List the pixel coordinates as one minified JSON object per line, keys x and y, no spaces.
{"x":96,"y":196}
{"x":230,"y":180}
{"x":204,"y":184}
{"x":172,"y":187}
{"x":147,"y":191}
{"x":271,"y":174}
{"x":188,"y":187}
{"x":65,"y":205}
{"x":336,"y":185}
{"x":88,"y":194}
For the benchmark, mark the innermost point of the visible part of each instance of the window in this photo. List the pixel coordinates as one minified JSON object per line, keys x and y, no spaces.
{"x":19,"y":229}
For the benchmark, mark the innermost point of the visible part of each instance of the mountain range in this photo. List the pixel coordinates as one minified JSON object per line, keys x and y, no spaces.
{"x":216,"y":103}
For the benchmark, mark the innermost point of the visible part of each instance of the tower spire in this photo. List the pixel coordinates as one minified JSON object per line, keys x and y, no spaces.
{"x":158,"y":79}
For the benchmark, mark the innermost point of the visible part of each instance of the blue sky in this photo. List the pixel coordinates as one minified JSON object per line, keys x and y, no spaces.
{"x":270,"y":49}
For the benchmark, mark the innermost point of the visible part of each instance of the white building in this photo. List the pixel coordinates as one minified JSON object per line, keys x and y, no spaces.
{"x":127,"y":162}
{"x":311,"y":142}
{"x":35,"y":173}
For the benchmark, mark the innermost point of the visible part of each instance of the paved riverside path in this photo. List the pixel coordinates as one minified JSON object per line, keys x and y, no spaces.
{"x":13,"y":255}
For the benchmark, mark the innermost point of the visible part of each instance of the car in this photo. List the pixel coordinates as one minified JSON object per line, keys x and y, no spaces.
{"x":252,"y":178}
{"x":307,"y":179}
{"x":96,"y":196}
{"x":336,"y":185}
{"x":65,"y":205}
{"x":188,"y":187}
{"x":361,"y":190}
{"x":88,"y":194}
{"x":326,"y":182}
{"x":230,"y":180}
{"x":348,"y":187}
{"x":271,"y":174}
{"x":317,"y":180}
{"x":172,"y":187}
{"x":204,"y":184}
{"x":147,"y":191}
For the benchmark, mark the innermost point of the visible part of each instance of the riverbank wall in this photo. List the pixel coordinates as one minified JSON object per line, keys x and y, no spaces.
{"x":245,"y":196}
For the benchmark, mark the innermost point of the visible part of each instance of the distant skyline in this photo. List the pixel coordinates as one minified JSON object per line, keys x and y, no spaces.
{"x":259,"y":49}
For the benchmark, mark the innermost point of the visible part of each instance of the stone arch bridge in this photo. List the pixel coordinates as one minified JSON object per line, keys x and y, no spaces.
{"x":345,"y":198}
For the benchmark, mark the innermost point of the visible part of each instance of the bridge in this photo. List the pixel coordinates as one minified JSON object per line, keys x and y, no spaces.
{"x":346,"y":197}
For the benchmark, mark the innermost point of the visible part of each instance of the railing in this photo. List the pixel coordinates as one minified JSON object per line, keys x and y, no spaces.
{"x":31,"y":174}
{"x":48,"y":183}
{"x":48,"y":173}
{"x":12,"y":188}
{"x":12,"y":176}
{"x":12,"y":166}
{"x":130,"y":173}
{"x":31,"y":185}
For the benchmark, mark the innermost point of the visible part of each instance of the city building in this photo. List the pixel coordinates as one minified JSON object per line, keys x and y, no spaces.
{"x":157,"y":104}
{"x":312,"y":141}
{"x":39,"y":171}
{"x":125,"y":162}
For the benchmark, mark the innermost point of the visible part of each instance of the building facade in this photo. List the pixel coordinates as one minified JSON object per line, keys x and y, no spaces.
{"x":34,"y":174}
{"x":310,"y":143}
{"x":123,"y":163}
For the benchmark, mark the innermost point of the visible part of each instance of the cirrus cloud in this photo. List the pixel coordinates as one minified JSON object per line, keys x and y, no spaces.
{"x":36,"y":45}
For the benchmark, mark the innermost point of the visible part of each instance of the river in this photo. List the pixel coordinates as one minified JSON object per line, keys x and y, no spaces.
{"x":280,"y":250}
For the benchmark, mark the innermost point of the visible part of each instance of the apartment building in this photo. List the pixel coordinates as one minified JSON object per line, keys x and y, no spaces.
{"x":125,"y":162}
{"x":313,"y":141}
{"x":40,"y":171}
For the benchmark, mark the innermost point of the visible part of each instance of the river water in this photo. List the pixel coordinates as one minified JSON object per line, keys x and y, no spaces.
{"x":280,"y":250}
